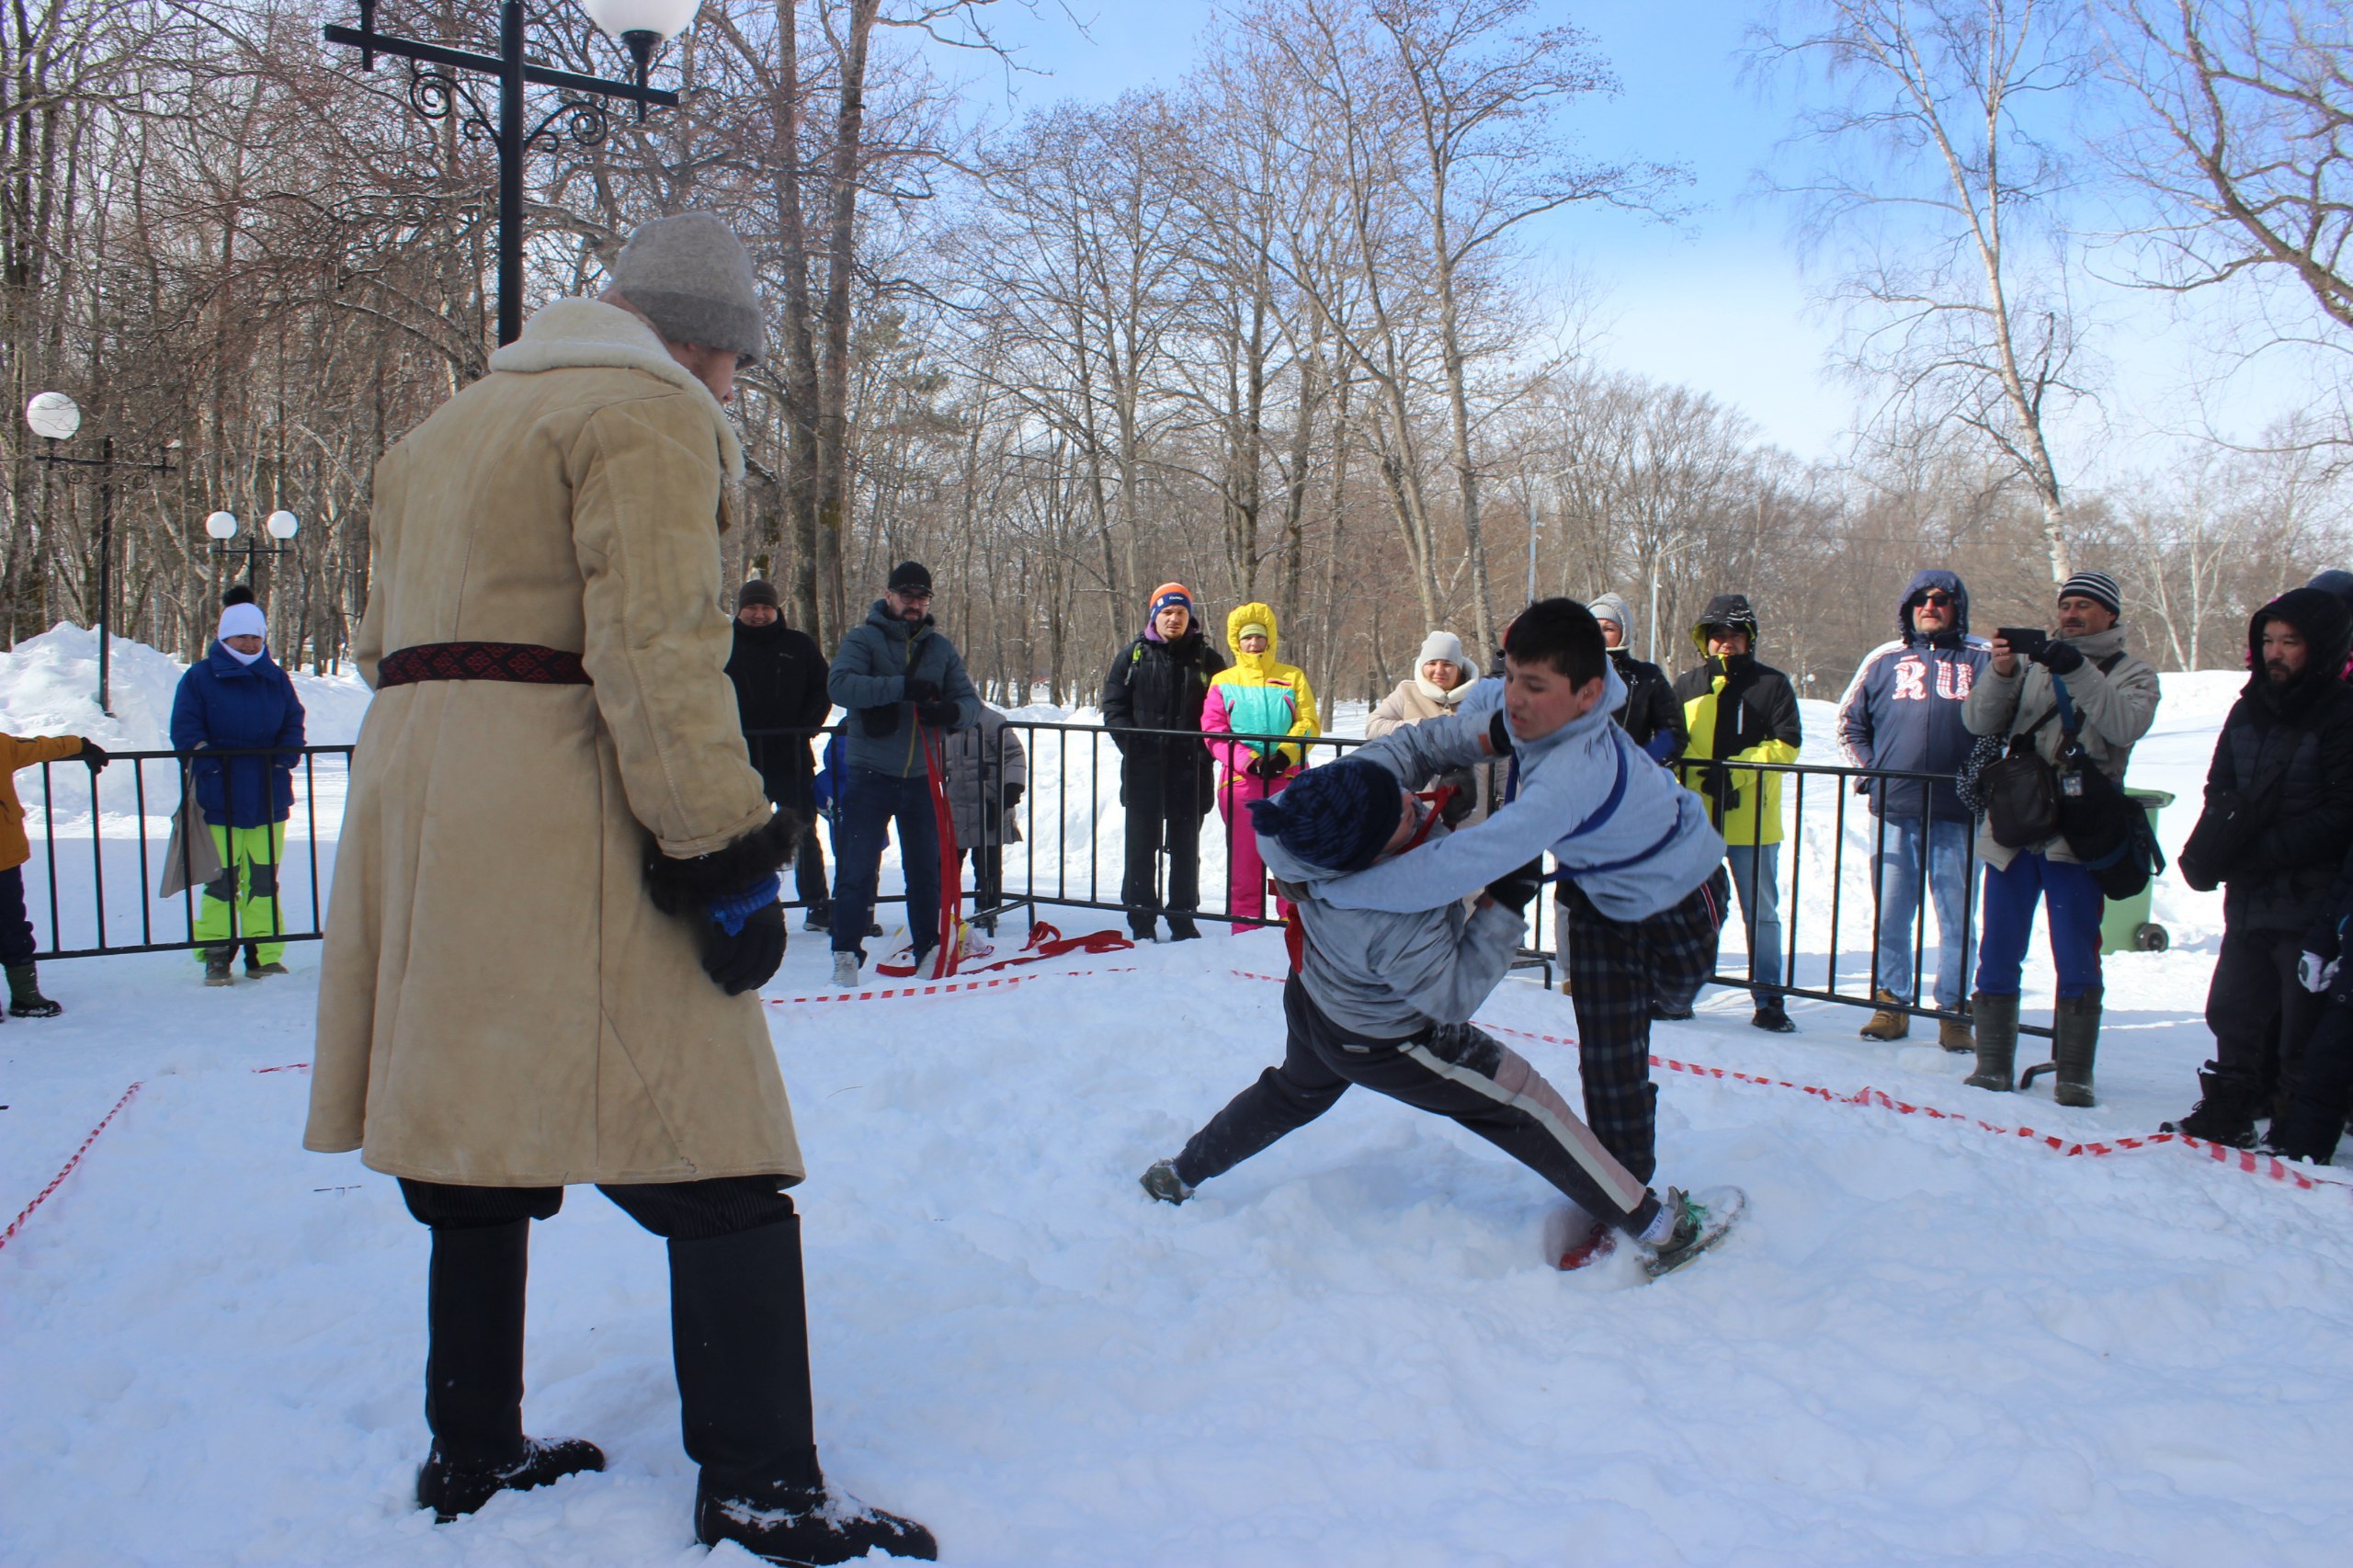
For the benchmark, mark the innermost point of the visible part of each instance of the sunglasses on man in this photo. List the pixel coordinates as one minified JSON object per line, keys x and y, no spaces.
{"x":1936,"y":596}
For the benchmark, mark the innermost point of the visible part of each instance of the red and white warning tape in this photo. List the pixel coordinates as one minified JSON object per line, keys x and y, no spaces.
{"x":903,"y":991}
{"x":2252,"y":1164}
{"x":58,"y":1180}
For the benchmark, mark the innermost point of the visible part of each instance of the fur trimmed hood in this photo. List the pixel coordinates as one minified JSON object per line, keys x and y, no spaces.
{"x":576,"y":333}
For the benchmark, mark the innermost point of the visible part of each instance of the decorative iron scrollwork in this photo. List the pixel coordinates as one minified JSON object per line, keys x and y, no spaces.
{"x":438,"y":94}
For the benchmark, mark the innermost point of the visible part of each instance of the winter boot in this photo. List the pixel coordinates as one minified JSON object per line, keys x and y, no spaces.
{"x":1997,"y":1042}
{"x":1953,"y":1033}
{"x":820,"y":917}
{"x":2224,"y":1112}
{"x":846,"y":970}
{"x":2075,"y":1039}
{"x":25,"y":999}
{"x":1772,"y":1020}
{"x":1700,"y":1221}
{"x":1163,"y":1182}
{"x":216,"y":966}
{"x":1182,"y":929}
{"x":739,"y":1335}
{"x":2306,"y":1132}
{"x":255,"y":969}
{"x":1891,"y":1022}
{"x":473,"y":1375}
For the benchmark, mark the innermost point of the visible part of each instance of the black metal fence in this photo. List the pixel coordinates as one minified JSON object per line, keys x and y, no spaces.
{"x":103,"y":844}
{"x":1071,"y":827}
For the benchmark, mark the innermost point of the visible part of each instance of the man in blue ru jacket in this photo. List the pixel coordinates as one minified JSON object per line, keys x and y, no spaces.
{"x":1641,"y":883}
{"x":235,"y":698}
{"x":900,"y":678}
{"x":1902,"y":712}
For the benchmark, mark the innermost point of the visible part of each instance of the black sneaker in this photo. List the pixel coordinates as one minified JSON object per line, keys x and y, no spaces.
{"x":450,"y":1490}
{"x":216,"y":966}
{"x":1771,"y":1019}
{"x":805,"y":1525}
{"x":1163,"y":1182}
{"x":820,"y":918}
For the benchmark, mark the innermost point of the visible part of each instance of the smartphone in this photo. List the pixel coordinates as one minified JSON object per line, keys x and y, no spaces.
{"x":2026,"y":641}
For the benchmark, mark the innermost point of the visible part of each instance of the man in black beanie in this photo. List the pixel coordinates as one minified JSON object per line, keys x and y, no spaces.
{"x":1385,"y":1000}
{"x":905,"y":686}
{"x":779,"y":678}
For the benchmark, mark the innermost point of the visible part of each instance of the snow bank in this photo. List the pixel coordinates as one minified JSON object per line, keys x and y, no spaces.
{"x":48,"y":686}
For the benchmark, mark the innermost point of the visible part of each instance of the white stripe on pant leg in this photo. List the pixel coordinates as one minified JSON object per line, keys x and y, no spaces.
{"x":1615,"y":1180}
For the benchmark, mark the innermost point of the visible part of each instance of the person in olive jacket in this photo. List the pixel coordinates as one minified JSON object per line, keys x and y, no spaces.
{"x":1167,"y":784}
{"x":779,"y":678}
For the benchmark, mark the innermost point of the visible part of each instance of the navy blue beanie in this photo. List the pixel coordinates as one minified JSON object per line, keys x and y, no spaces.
{"x":1338,"y":816}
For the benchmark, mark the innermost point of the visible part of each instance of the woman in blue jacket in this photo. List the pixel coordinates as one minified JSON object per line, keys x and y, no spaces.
{"x":236,"y":700}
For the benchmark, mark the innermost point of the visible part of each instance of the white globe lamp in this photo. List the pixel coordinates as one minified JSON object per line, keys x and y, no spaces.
{"x":282,"y":525}
{"x":221,"y":526}
{"x":52,"y":415}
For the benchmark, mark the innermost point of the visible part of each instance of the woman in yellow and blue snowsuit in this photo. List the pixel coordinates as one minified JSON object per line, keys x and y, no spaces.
{"x":1251,"y":709}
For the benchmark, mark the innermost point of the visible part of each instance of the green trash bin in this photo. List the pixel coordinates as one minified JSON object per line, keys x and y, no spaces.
{"x":2125,"y":925}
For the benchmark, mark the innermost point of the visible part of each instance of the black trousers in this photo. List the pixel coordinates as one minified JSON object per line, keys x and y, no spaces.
{"x":987,"y":861}
{"x":2255,"y":990}
{"x":1158,"y":823}
{"x":1456,"y":1070}
{"x":16,"y":945}
{"x":739,"y":1325}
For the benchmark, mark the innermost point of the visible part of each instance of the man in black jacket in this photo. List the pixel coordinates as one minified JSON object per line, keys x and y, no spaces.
{"x":1167,"y":783}
{"x":1737,"y":709}
{"x":1652,"y":715}
{"x":2278,"y":823}
{"x":779,"y":679}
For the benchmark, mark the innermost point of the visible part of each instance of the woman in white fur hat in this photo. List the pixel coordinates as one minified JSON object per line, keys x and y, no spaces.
{"x":1443,"y":676}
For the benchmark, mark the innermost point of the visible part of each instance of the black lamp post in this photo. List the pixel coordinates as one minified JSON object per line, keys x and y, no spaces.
{"x":55,"y":418}
{"x":221,"y":526}
{"x":437,"y":91}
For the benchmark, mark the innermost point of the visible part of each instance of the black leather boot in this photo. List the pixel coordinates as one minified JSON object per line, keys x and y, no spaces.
{"x":2224,"y":1112}
{"x":739,"y":1333}
{"x":1996,"y":1019}
{"x":2074,"y":1041}
{"x":473,"y":1375}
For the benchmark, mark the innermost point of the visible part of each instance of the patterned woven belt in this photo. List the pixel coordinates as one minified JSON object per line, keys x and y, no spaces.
{"x":524,"y":663}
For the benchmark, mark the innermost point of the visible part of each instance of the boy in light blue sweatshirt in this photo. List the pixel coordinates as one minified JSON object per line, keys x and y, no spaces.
{"x":1640,"y":879}
{"x":1384,"y":1001}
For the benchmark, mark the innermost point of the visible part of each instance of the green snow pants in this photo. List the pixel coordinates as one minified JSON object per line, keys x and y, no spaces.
{"x":241,"y":903}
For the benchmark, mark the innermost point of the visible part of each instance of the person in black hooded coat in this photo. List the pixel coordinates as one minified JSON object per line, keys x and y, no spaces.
{"x":780,"y":677}
{"x":2284,"y":766}
{"x":1167,"y":783}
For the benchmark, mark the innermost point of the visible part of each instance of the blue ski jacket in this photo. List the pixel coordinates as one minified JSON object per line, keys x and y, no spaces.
{"x":223,"y":705}
{"x":1902,"y":709}
{"x":870,"y":677}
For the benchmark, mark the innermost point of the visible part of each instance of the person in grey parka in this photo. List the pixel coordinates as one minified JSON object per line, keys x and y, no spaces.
{"x":905,"y":688}
{"x":987,"y":771}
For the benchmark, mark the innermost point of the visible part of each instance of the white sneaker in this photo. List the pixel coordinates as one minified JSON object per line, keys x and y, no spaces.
{"x":846,"y":970}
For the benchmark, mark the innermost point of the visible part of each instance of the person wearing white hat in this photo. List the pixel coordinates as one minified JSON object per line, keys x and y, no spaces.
{"x":1443,"y":676}
{"x":236,"y":700}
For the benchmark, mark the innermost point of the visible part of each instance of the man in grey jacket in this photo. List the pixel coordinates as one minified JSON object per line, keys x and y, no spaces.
{"x":2114,"y":700}
{"x":906,"y":689}
{"x":1641,"y":880}
{"x":1385,"y":1000}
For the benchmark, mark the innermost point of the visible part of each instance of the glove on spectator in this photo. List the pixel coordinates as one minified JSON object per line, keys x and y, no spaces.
{"x":742,"y":958}
{"x":937,"y":713}
{"x":1267,"y":766}
{"x":2062,"y":658}
{"x":1012,"y":798}
{"x":95,"y":755}
{"x":921,"y":691}
{"x":883,"y":721}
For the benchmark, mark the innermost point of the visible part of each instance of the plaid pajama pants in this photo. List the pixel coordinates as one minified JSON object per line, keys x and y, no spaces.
{"x":1617,"y":968}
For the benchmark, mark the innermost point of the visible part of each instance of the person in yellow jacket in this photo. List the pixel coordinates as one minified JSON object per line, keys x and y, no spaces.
{"x":1740,"y":710}
{"x":1251,"y":709}
{"x":25,"y":999}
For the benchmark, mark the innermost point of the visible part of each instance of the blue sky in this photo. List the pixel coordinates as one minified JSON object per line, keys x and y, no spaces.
{"x":1714,"y":302}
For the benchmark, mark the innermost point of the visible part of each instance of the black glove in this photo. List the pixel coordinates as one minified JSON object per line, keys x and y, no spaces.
{"x":2062,"y":658}
{"x":883,"y":721}
{"x":1464,"y":802}
{"x":1267,"y":766}
{"x":744,"y":961}
{"x":1011,"y":798}
{"x":921,"y":691}
{"x":95,"y":755}
{"x":938,"y":714}
{"x":1498,"y":734}
{"x":1513,"y":892}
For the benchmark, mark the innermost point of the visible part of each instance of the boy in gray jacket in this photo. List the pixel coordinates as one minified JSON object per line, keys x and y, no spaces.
{"x":1385,"y":1000}
{"x":1641,"y":880}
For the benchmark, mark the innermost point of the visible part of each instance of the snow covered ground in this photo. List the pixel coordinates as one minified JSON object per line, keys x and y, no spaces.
{"x":1930,"y":1343}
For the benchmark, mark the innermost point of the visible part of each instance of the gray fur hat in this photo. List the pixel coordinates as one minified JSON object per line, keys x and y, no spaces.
{"x":692,"y":279}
